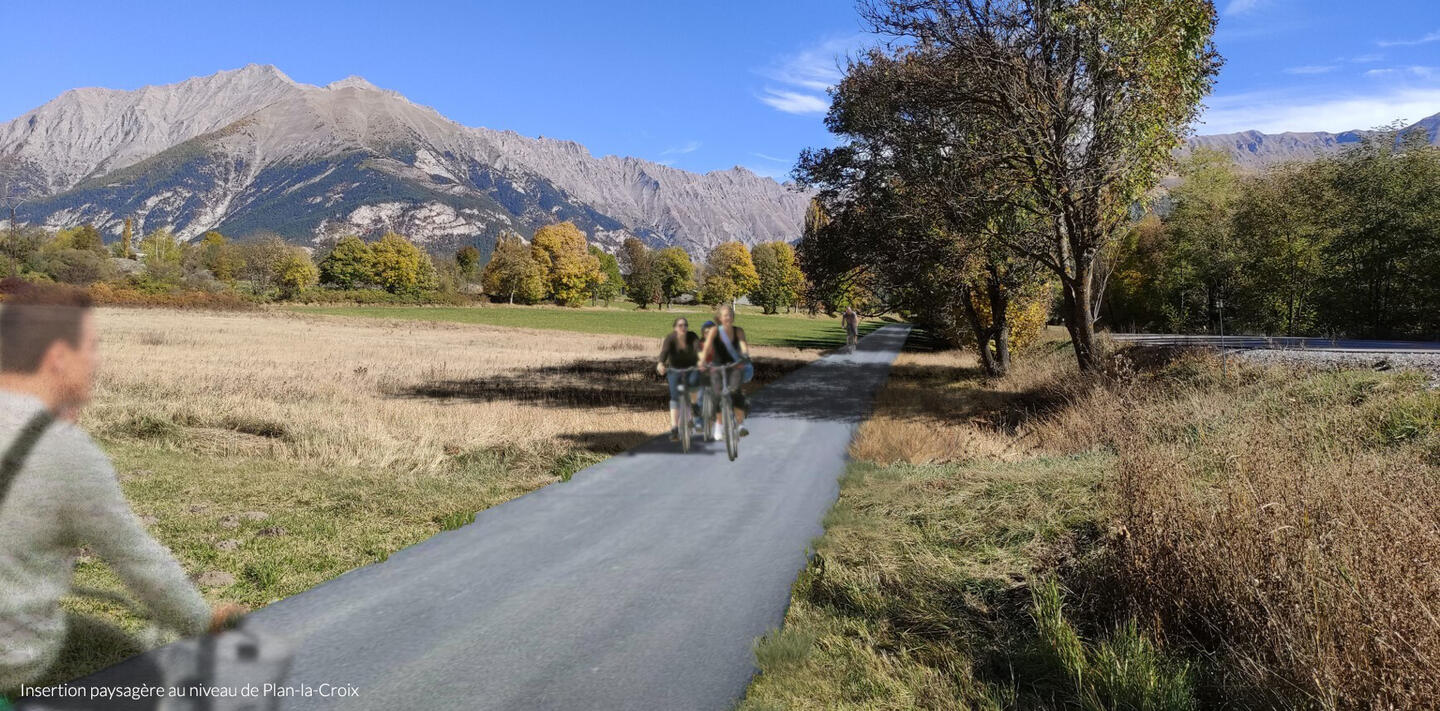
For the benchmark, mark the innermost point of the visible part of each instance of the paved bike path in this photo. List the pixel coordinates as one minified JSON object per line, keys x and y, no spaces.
{"x":639,"y":584}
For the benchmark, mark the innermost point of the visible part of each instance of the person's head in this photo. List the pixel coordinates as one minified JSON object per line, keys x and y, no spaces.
{"x":681,"y":326}
{"x":725,"y":314}
{"x":705,"y":329}
{"x":47,"y":338}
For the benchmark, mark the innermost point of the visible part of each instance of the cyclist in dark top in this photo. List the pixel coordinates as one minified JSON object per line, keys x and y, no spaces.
{"x":680,"y":350}
{"x":725,"y":345}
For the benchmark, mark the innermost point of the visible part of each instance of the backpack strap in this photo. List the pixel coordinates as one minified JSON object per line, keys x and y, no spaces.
{"x":15,"y":457}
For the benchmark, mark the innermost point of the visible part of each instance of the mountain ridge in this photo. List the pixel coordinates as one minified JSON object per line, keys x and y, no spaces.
{"x":252,"y":149}
{"x":1256,"y":149}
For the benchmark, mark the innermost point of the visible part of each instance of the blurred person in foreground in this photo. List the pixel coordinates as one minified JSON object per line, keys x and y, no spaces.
{"x":58,"y":492}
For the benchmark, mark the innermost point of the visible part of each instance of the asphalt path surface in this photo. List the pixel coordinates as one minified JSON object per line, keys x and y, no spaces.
{"x":641,"y":583}
{"x":1279,"y":343}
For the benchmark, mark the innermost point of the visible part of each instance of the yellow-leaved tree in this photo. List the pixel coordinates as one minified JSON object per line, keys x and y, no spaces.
{"x":729,"y":274}
{"x":570,"y":269}
{"x":398,"y":266}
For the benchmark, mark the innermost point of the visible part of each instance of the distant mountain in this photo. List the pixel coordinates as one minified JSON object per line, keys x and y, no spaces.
{"x":1252,"y":149}
{"x":251,"y":150}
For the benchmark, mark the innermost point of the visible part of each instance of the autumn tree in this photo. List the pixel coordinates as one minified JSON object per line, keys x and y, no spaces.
{"x":562,"y":251}
{"x":780,"y":277}
{"x":398,"y":266}
{"x":349,"y":264}
{"x":729,"y":274}
{"x":1069,"y":110}
{"x":217,"y":255}
{"x":674,"y":274}
{"x":512,"y":272}
{"x":163,"y":255}
{"x":608,"y":283}
{"x":84,"y":237}
{"x":262,"y":254}
{"x":295,"y":272}
{"x":642,"y":284}
{"x":467,"y":258}
{"x":127,"y":240}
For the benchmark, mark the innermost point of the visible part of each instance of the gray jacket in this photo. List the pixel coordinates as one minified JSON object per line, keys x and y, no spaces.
{"x":65,"y":496}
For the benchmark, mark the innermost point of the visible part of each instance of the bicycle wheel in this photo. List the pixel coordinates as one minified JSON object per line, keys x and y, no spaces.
{"x":683,"y":415}
{"x":732,"y":433}
{"x":707,"y":407}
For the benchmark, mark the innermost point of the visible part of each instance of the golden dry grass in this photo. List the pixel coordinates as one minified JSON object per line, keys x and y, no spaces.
{"x":326,"y":391}
{"x":1277,"y":526}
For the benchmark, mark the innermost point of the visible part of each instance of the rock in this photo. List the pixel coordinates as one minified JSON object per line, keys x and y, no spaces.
{"x":271,"y":532}
{"x":215,"y":579}
{"x":229,"y":521}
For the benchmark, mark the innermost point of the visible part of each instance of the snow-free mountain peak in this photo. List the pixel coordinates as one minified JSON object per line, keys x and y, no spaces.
{"x":1254,"y":150}
{"x":250,"y":150}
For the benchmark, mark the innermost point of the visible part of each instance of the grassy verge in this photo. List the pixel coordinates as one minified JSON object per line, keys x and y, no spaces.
{"x":1166,"y":536}
{"x":791,"y":331}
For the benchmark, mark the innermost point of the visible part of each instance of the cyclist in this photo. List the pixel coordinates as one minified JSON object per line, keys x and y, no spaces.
{"x":57,"y":491}
{"x":726,"y":345}
{"x":680,"y":350}
{"x":851,"y":322}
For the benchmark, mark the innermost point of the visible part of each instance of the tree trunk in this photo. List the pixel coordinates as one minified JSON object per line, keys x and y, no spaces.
{"x":999,"y":320}
{"x":982,"y":335}
{"x":1076,"y":292}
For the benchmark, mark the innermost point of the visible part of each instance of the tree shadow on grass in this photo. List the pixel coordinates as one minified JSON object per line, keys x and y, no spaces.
{"x":831,"y":339}
{"x":923,"y":392}
{"x":628,"y":383}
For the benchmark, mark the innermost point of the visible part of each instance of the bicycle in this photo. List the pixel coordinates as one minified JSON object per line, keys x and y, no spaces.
{"x":685,"y":415}
{"x":232,"y":660}
{"x":725,"y":399}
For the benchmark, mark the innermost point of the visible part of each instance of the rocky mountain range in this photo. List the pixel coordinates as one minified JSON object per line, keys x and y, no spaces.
{"x":1254,"y":150}
{"x":251,"y":150}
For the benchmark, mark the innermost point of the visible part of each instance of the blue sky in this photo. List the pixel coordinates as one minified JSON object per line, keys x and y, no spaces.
{"x":698,"y":85}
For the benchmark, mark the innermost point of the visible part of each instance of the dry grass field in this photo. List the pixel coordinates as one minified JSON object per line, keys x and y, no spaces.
{"x":1169,"y":535}
{"x":273,"y":451}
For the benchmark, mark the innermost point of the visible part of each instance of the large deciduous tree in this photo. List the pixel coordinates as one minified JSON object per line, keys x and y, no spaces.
{"x":781,"y":280}
{"x":607,"y":283}
{"x":1067,"y":109}
{"x":642,"y":284}
{"x":729,"y":274}
{"x":673,"y":273}
{"x":398,"y":266}
{"x":512,"y":272}
{"x":562,"y":250}
{"x":350,"y":264}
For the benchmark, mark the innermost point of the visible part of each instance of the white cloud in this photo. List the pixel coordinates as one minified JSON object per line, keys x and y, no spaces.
{"x":1310,"y":69}
{"x":1418,"y":72}
{"x":770,"y":157}
{"x":806,"y":76}
{"x":795,"y":103}
{"x":1432,"y":37}
{"x":688,"y":147}
{"x":1366,"y":58}
{"x":1240,"y":7}
{"x":1278,"y":112}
